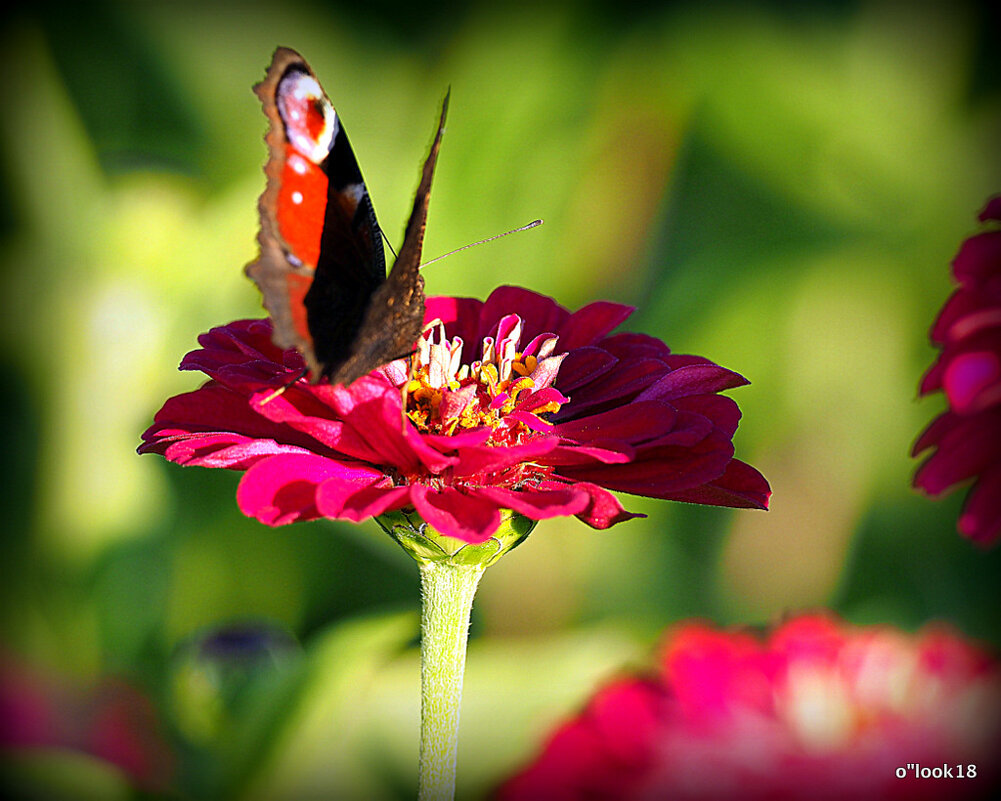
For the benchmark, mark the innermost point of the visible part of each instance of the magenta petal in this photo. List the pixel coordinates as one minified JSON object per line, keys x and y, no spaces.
{"x":465,"y":516}
{"x":662,"y":471}
{"x":214,"y":409}
{"x":247,"y":340}
{"x":689,"y":430}
{"x":603,"y":451}
{"x":538,"y":504}
{"x":476,"y":461}
{"x":721,"y":410}
{"x":531,"y":421}
{"x":302,"y":410}
{"x":967,"y":436}
{"x":936,"y":431}
{"x":629,"y":346}
{"x":358,"y":500}
{"x":959,"y":304}
{"x":978,"y":258}
{"x":634,"y":423}
{"x":461,"y":316}
{"x":429,"y":451}
{"x":991,"y":210}
{"x":972,"y":381}
{"x":282,"y":489}
{"x":981,"y":516}
{"x":582,"y":366}
{"x":695,"y":379}
{"x":964,"y":450}
{"x":627,"y":716}
{"x":678,"y":360}
{"x":538,"y":313}
{"x":603,"y":509}
{"x":626,"y":381}
{"x":469,"y":438}
{"x":220,"y":450}
{"x":541,"y":398}
{"x":740,"y":486}
{"x":591,"y":323}
{"x":375,"y":414}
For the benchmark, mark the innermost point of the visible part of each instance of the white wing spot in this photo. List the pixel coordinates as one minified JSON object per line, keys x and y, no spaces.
{"x":297,"y":94}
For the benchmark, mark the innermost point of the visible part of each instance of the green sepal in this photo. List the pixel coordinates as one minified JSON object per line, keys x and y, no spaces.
{"x":426,"y":545}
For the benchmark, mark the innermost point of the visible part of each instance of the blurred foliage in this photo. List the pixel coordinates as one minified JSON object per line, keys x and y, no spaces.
{"x":775,"y":186}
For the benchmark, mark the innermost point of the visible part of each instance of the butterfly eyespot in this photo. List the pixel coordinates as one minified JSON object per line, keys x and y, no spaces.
{"x":309,"y":118}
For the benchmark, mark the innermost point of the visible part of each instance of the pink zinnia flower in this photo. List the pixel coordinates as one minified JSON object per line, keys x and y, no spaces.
{"x":511,"y":403}
{"x":967,"y":437}
{"x":818,"y":709}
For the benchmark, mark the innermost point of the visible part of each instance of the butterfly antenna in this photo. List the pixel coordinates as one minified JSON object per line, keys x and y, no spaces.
{"x":533,"y":224}
{"x":388,"y":243}
{"x":301,"y":374}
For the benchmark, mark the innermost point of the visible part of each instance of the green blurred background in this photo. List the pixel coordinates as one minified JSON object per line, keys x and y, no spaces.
{"x":777,"y":187}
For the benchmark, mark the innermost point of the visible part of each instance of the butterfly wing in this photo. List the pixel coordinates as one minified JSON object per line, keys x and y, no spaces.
{"x":322,"y":255}
{"x":395,"y":315}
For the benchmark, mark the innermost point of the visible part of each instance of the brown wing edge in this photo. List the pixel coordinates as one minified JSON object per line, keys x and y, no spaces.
{"x":271,"y":269}
{"x":397,"y":306}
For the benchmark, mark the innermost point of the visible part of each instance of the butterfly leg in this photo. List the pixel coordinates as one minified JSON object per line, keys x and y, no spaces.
{"x":298,"y":376}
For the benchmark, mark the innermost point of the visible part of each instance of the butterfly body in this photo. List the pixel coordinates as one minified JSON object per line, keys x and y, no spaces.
{"x":322,"y":267}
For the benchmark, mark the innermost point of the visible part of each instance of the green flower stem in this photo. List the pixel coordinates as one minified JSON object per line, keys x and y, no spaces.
{"x":447,"y":592}
{"x":450,"y":571}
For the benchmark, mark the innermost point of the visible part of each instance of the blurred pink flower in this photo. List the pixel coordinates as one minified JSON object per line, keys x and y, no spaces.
{"x":114,"y":721}
{"x":513,"y":403}
{"x":967,"y":436}
{"x":819,"y":709}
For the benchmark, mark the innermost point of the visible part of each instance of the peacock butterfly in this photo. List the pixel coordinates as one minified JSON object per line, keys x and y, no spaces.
{"x":322,"y":267}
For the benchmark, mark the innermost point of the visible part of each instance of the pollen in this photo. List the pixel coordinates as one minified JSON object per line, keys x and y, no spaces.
{"x":445,"y":395}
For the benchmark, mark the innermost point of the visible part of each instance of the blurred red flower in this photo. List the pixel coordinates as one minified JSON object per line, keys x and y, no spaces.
{"x":113,"y":721}
{"x":967,"y":436}
{"x":817,"y":710}
{"x":511,"y":403}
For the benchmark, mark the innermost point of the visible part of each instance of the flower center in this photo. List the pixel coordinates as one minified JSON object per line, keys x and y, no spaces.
{"x":506,"y":389}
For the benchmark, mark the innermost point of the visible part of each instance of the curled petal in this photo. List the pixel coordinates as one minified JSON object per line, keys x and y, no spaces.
{"x":282,"y":489}
{"x":603,"y":509}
